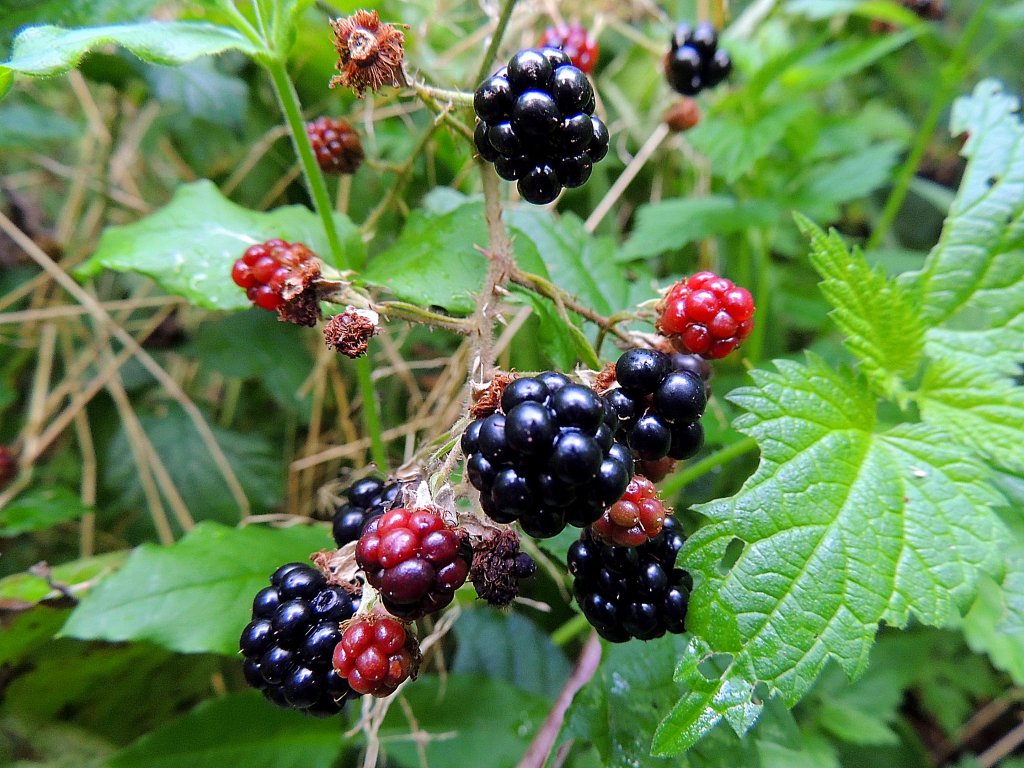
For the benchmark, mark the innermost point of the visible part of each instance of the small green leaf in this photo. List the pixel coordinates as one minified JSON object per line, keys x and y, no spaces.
{"x":45,"y":51}
{"x":22,"y":590}
{"x":39,"y":509}
{"x":189,"y":245}
{"x":855,"y":725}
{"x":195,"y":595}
{"x":210,"y":736}
{"x":867,"y":309}
{"x":509,"y":647}
{"x":672,"y":224}
{"x":848,"y":57}
{"x":435,"y":261}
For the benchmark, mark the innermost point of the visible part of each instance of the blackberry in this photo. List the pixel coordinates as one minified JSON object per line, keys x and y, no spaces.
{"x":706,"y":315}
{"x":537,"y":124}
{"x":367,"y":498}
{"x":635,"y":518}
{"x":335,"y":144}
{"x":577,"y":42}
{"x":414,"y":560}
{"x":296,"y":624}
{"x":694,"y":60}
{"x":546,"y":458}
{"x":275,"y":274}
{"x":631,"y":592}
{"x":656,"y":410}
{"x":375,"y":655}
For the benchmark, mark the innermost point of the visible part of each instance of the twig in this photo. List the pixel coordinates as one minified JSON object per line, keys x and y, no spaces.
{"x":1002,"y":748}
{"x":626,"y":177}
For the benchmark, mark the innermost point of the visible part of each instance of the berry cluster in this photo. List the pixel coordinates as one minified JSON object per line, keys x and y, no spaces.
{"x":631,"y":591}
{"x":289,"y":642}
{"x":537,"y":124}
{"x":547,"y":458}
{"x":376,"y":655}
{"x":635,"y":518}
{"x":335,"y":144}
{"x":706,"y":315}
{"x":414,"y":560}
{"x":579,"y":45}
{"x":267,"y":270}
{"x":694,"y":61}
{"x":367,"y":498}
{"x":657,"y":409}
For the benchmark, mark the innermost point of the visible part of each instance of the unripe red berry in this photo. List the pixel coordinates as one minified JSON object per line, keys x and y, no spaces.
{"x":277,"y":275}
{"x":335,"y":144}
{"x":376,"y":655}
{"x":706,"y":315}
{"x":635,"y":518}
{"x":579,"y":45}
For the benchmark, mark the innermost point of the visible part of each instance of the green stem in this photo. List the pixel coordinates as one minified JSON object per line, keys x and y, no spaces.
{"x":569,"y":631}
{"x":289,"y":101}
{"x":499,"y":32}
{"x":952,"y":74}
{"x":678,"y":481}
{"x":458,"y":98}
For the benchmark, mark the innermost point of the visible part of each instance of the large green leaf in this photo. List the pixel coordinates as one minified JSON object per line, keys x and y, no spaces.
{"x":15,"y":14}
{"x":45,"y":51}
{"x":841,"y":527}
{"x":212,"y":736}
{"x":189,"y":245}
{"x":195,"y":595}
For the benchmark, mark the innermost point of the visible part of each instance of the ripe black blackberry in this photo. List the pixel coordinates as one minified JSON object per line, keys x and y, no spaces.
{"x":657,"y":409}
{"x":694,"y":61}
{"x":367,"y":498}
{"x":546,"y":457}
{"x":629,"y":592}
{"x":537,"y":124}
{"x":289,"y":642}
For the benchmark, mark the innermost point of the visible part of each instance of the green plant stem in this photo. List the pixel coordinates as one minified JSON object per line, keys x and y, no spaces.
{"x":415,"y":314}
{"x":457,"y":98}
{"x":499,"y":32}
{"x":289,"y":101}
{"x":569,"y":631}
{"x":952,"y":74}
{"x":678,"y":481}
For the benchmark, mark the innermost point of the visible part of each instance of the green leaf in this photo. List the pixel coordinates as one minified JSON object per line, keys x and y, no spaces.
{"x":867,"y":309}
{"x":851,"y":177}
{"x":210,"y":736}
{"x":672,"y":224}
{"x":995,"y":623}
{"x":26,"y":126}
{"x":464,"y":717}
{"x":15,"y":14}
{"x":39,"y":509}
{"x":855,"y":725}
{"x":972,"y":284}
{"x":189,"y":245}
{"x":195,"y":595}
{"x":842,"y":59}
{"x":509,"y":647}
{"x":202,"y":90}
{"x":26,"y":631}
{"x":841,"y":527}
{"x":45,"y":51}
{"x":435,"y":261}
{"x":256,"y":462}
{"x":22,"y":590}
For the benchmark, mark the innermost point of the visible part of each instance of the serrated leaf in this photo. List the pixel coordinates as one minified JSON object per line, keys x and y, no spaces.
{"x":195,"y":595}
{"x":841,"y":528}
{"x":995,"y":623}
{"x":45,"y":51}
{"x":672,"y":224}
{"x":210,"y":736}
{"x":867,"y":309}
{"x":509,"y":647}
{"x":972,"y":284}
{"x":189,"y":245}
{"x":39,"y":509}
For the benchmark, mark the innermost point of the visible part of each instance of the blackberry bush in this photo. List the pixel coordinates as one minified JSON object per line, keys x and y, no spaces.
{"x":547,"y":457}
{"x":628,"y":592}
{"x":694,"y":60}
{"x":288,"y":645}
{"x":367,"y":499}
{"x":537,"y":124}
{"x":657,"y":409}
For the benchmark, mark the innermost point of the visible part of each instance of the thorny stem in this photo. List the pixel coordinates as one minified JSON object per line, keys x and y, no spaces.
{"x":949,"y":83}
{"x":499,"y":32}
{"x":502,"y":264}
{"x":415,"y":314}
{"x":289,"y":101}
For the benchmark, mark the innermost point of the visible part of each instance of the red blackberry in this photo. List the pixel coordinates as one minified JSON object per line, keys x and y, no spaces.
{"x":414,"y":560}
{"x":577,"y":42}
{"x":276,"y":273}
{"x":296,"y":623}
{"x":375,"y":655}
{"x":367,"y":498}
{"x":657,"y":409}
{"x":694,"y":60}
{"x":629,"y":592}
{"x":547,"y":457}
{"x":635,"y":518}
{"x":706,"y":315}
{"x":537,"y":124}
{"x":336,"y":145}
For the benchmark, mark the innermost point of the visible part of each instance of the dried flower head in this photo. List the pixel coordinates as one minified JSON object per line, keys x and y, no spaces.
{"x":487,"y":399}
{"x":351,"y":331}
{"x":605,"y":378}
{"x":498,"y":566}
{"x":300,"y":300}
{"x":370,"y":53}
